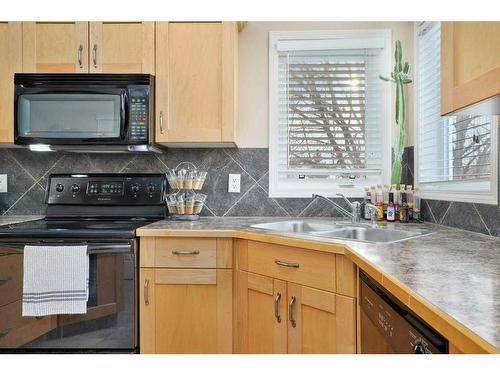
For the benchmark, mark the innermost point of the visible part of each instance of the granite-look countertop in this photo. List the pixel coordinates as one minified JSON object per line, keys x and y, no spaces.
{"x":455,"y":270}
{"x":6,"y":220}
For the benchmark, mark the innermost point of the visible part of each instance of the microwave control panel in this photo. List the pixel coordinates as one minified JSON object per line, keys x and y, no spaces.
{"x":138,"y":113}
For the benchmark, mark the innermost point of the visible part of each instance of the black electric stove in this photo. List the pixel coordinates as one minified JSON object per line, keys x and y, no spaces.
{"x":101,"y":211}
{"x":95,"y":206}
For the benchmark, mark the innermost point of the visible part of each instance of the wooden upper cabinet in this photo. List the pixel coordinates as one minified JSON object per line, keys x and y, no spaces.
{"x":470,"y":63}
{"x":121,"y":47}
{"x":196,"y":81}
{"x":55,"y":47}
{"x":10,"y":63}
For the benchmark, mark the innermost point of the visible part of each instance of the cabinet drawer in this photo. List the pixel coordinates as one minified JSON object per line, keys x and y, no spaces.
{"x":186,"y":253}
{"x":11,"y":278}
{"x":16,"y":330}
{"x":306,"y":267}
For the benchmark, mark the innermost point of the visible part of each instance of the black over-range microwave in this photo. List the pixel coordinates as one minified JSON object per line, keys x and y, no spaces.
{"x":84,"y":112}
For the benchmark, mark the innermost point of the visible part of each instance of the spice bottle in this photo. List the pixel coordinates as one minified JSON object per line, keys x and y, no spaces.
{"x":367,"y":199}
{"x":391,"y":213}
{"x":403,"y":210}
{"x":409,"y":200}
{"x":373,"y":194}
{"x":416,"y":205}
{"x":379,"y":203}
{"x":385,"y":193}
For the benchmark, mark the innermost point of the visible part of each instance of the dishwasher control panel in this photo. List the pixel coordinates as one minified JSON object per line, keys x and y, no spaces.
{"x":387,"y":326}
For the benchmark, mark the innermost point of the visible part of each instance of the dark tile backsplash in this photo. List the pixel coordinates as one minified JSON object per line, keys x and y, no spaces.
{"x":28,"y":171}
{"x":482,"y":218}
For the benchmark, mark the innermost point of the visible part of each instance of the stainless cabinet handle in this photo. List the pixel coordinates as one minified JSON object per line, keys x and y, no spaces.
{"x":5,"y":281}
{"x":185,"y":252}
{"x":290,"y":312}
{"x":5,"y":333}
{"x":277,"y":307}
{"x":161,"y":122}
{"x":94,"y":55}
{"x":286,"y":264}
{"x":146,"y":292}
{"x":80,"y":50}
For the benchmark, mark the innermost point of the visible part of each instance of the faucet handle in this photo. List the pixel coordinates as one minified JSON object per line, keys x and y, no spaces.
{"x":347,"y":200}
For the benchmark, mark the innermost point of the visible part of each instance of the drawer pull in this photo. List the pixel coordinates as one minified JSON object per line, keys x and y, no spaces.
{"x":286,"y":264}
{"x":290,"y":312}
{"x":5,"y":333}
{"x":5,"y":281}
{"x":185,"y":252}
{"x":146,"y":292}
{"x":277,"y":307}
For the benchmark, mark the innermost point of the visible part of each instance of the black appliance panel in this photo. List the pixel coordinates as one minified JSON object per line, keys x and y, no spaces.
{"x":136,"y":93}
{"x":108,"y":189}
{"x":387,"y":326}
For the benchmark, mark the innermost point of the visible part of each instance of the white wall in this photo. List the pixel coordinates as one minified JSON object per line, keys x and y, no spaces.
{"x":254,"y":65}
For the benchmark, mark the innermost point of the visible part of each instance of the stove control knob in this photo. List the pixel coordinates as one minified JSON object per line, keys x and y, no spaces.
{"x":134,"y":188}
{"x":75,"y":188}
{"x":151,"y":188}
{"x":59,"y":188}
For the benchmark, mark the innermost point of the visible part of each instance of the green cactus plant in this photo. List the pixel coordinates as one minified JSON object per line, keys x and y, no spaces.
{"x":400,"y":76}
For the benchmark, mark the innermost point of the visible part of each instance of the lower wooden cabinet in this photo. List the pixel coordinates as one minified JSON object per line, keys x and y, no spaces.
{"x":277,"y":299}
{"x":275,"y":316}
{"x":185,"y":310}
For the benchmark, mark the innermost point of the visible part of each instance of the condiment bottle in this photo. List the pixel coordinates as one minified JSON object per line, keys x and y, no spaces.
{"x":385,"y":193}
{"x":373,"y":194}
{"x":416,"y":205}
{"x":379,"y":203}
{"x":391,"y":212}
{"x":403,"y":210}
{"x":409,"y":199}
{"x":367,"y":199}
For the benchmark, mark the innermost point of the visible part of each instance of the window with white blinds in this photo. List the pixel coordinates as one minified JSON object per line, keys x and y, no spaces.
{"x":328,"y":113}
{"x":456,"y":154}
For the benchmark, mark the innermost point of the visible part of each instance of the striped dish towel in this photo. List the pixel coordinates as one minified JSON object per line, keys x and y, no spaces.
{"x":55,"y":280}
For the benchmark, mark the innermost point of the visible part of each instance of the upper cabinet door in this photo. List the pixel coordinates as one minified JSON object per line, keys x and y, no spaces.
{"x":10,"y":63}
{"x":470,"y":63}
{"x":55,"y":47}
{"x":196,"y":66}
{"x":122,"y":47}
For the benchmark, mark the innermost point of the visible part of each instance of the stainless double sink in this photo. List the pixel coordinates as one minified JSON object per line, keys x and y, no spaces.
{"x":345,"y":231}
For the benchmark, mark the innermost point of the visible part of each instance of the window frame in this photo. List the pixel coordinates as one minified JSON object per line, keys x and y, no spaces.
{"x":290,"y":189}
{"x":450,"y":193}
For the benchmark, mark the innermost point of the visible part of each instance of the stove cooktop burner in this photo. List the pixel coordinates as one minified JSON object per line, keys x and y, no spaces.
{"x":46,"y":228}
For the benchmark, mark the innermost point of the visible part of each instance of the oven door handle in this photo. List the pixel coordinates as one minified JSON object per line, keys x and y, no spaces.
{"x":92,"y":248}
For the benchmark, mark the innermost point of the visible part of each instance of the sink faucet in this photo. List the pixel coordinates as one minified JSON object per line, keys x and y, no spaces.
{"x":373,"y":214}
{"x":355,"y":213}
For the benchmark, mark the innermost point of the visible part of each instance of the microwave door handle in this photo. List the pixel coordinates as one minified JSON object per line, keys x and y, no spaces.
{"x":124,"y":115}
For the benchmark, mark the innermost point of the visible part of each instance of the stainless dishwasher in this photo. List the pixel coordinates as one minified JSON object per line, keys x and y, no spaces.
{"x":387,"y":326}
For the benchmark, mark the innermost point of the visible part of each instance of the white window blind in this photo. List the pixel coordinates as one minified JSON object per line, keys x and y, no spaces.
{"x":454,"y":152}
{"x":331,"y":108}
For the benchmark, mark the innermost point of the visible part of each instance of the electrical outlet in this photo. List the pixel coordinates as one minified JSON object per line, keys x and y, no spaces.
{"x":3,"y":183}
{"x":234,"y":182}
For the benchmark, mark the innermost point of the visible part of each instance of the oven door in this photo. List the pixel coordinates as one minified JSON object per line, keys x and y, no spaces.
{"x":66,"y":116}
{"x":110,"y":323}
